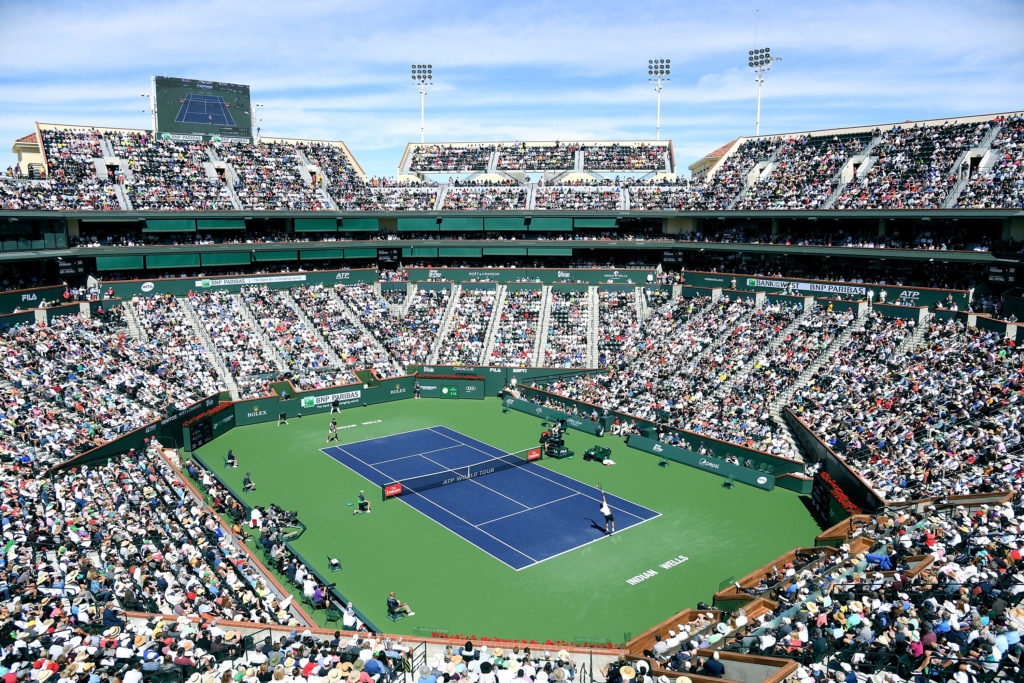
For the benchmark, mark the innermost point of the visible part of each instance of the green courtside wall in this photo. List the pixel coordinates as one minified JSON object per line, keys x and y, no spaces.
{"x":592,"y":276}
{"x":29,"y":298}
{"x":12,"y":319}
{"x":545,"y":413}
{"x":921,"y":296}
{"x":126,"y":289}
{"x":696,"y":460}
{"x":497,"y":378}
{"x":223,"y":422}
{"x":167,"y":431}
{"x":440,"y":388}
{"x":774,"y":464}
{"x":256,"y":410}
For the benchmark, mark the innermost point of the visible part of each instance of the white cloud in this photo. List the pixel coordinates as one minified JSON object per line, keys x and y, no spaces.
{"x":529,"y":69}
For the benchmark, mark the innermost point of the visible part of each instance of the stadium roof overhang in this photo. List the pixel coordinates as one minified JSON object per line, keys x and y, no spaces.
{"x":109,"y":216}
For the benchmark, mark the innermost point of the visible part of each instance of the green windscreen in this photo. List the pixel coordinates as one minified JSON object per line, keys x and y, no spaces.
{"x":221,"y":224}
{"x":504,"y":223}
{"x":594,"y":222}
{"x":222,"y":258}
{"x":172,"y":260}
{"x":551,"y":223}
{"x":169,"y":226}
{"x":118,"y":262}
{"x":359,"y":225}
{"x":277,"y":255}
{"x":459,"y":251}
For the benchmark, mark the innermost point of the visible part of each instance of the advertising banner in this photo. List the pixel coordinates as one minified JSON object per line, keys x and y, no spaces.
{"x":547,"y":276}
{"x":917,"y":296}
{"x":125,"y":289}
{"x":545,"y":413}
{"x":696,"y":460}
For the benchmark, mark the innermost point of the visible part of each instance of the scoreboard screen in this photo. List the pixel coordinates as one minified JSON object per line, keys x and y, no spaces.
{"x":190,"y":109}
{"x":200,"y":433}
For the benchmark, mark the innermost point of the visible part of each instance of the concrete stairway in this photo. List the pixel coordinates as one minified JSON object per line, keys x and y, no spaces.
{"x":410,"y":294}
{"x":131,"y":319}
{"x":332,"y":357}
{"x":492,"y":327}
{"x":446,"y":323}
{"x":594,"y":326}
{"x":775,"y":407}
{"x":442,"y":192}
{"x":542,"y":327}
{"x":782,"y":399}
{"x":211,"y":350}
{"x":725,"y":387}
{"x":914,"y":339}
{"x":268,"y":346}
{"x":867,"y":162}
{"x":353,"y":317}
{"x":643,"y":311}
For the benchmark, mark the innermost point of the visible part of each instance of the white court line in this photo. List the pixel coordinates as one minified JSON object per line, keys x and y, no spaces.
{"x":407,"y":431}
{"x":599,"y":538}
{"x":558,"y":483}
{"x":416,"y":455}
{"x":440,"y":507}
{"x":535,"y":507}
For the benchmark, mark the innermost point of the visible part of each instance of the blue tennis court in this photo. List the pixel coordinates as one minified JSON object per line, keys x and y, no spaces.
{"x":520,"y":516}
{"x":208,"y":109}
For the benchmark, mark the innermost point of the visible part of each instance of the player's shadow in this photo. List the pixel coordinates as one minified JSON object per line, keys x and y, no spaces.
{"x":595,"y":525}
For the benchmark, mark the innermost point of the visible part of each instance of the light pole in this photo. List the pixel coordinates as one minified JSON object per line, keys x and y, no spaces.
{"x":151,"y":109}
{"x":423,"y":77}
{"x":657,"y":71}
{"x":759,"y":62}
{"x":257,"y":109}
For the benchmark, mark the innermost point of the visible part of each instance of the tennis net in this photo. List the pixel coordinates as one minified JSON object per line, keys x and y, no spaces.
{"x":454,"y":475}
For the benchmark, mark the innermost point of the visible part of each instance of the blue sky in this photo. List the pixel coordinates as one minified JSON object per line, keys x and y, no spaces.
{"x":524,"y":70}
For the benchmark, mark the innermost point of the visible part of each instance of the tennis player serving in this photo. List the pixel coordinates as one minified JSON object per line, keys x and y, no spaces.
{"x":609,"y":519}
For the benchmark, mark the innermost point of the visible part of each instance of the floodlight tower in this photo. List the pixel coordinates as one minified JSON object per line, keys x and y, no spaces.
{"x":150,"y":108}
{"x":423,"y":77}
{"x":258,"y":111}
{"x":658,"y":70}
{"x":759,"y":62}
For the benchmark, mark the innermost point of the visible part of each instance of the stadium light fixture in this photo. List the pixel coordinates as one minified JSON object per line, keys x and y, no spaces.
{"x":258,"y":110}
{"x":760,"y":61}
{"x":658,"y":70}
{"x":423,"y":78}
{"x":151,"y":109}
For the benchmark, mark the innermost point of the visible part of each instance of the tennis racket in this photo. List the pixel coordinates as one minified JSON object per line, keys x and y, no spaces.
{"x":600,"y":488}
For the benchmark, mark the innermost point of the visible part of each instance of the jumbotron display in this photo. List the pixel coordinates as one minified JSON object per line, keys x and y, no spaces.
{"x":189,"y":107}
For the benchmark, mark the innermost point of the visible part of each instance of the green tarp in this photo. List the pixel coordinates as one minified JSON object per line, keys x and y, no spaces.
{"x":172,"y":260}
{"x":360,"y":225}
{"x":118,"y":262}
{"x":220,"y":224}
{"x":177,"y":225}
{"x":225,"y":258}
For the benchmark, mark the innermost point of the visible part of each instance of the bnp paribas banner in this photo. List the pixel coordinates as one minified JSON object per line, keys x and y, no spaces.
{"x":914,"y":296}
{"x":344,"y":398}
{"x":593,"y":276}
{"x":126,"y":289}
